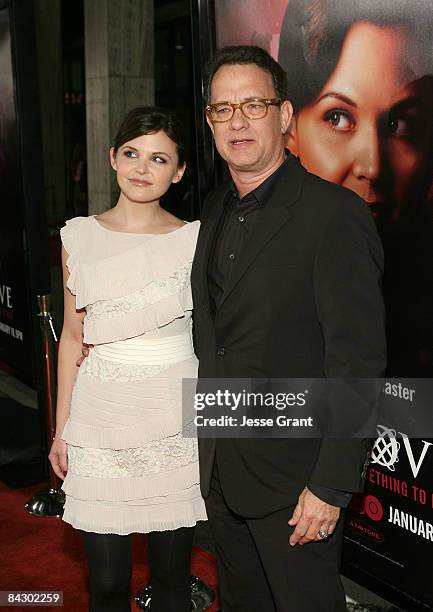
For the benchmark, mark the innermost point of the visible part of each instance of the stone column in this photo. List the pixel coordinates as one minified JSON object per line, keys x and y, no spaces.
{"x":119,"y":59}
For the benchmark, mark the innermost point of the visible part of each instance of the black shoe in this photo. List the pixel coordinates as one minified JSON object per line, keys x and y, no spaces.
{"x":202,"y":596}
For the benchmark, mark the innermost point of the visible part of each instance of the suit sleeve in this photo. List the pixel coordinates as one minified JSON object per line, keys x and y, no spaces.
{"x":331,"y":496}
{"x":203,"y":217}
{"x":347,"y":282}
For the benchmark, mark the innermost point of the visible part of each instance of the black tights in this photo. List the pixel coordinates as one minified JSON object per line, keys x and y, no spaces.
{"x":109,"y":557}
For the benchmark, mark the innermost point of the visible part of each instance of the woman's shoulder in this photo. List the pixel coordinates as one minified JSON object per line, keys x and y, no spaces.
{"x":192,"y":226}
{"x":72,"y":232}
{"x":186,"y":232}
{"x":77,"y":221}
{"x":175,"y":223}
{"x":184,"y":235}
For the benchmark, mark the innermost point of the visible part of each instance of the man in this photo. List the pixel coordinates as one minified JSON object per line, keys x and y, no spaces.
{"x":286,"y":283}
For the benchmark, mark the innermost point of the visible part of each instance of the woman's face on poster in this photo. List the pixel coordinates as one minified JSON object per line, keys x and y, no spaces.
{"x":370,"y":127}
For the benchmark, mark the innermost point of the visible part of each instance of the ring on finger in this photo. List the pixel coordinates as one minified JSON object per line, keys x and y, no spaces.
{"x":323,"y":535}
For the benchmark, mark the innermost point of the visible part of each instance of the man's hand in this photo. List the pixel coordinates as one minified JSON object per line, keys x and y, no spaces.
{"x":310,"y":516}
{"x":85,"y":350}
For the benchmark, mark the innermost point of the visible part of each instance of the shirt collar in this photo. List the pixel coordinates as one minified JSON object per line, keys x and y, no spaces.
{"x":262,"y":192}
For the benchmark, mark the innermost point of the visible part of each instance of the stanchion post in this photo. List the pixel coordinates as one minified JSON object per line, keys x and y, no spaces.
{"x":48,"y":502}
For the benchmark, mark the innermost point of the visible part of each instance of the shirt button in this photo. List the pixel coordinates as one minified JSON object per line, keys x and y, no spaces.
{"x":232,"y":256}
{"x":221,"y":352}
{"x":241,"y":219}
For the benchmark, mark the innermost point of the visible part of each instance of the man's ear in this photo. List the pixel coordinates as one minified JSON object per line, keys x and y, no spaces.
{"x":286,"y":114}
{"x":113,"y":161}
{"x":292,"y":138}
{"x":179,"y":173}
{"x":210,"y":124}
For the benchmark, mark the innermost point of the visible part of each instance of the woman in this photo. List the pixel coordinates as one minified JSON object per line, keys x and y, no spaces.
{"x":360,"y":81}
{"x":361,"y":87}
{"x":118,"y":434}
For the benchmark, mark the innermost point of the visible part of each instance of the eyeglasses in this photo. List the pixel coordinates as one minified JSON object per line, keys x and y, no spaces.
{"x":256,"y":108}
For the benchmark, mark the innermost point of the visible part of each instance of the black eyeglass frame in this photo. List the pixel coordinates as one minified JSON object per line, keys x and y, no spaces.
{"x":240,"y":105}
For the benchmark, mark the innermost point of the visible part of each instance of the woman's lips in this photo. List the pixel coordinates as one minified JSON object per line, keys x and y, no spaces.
{"x":139,"y":183}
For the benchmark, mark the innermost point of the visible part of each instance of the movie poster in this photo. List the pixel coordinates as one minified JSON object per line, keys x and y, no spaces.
{"x":16,"y":347}
{"x":360,"y":81}
{"x":389,"y":530}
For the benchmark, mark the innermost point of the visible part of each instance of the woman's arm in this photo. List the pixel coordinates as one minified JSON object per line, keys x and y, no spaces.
{"x":70,"y":347}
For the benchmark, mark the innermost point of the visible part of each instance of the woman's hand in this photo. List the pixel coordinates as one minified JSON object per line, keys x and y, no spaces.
{"x":85,"y":352}
{"x":59,"y":457}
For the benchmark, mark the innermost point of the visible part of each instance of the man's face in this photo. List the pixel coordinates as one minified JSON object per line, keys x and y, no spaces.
{"x":248,"y":145}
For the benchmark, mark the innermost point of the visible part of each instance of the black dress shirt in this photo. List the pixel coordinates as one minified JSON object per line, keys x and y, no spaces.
{"x":236,"y":222}
{"x":239,"y":216}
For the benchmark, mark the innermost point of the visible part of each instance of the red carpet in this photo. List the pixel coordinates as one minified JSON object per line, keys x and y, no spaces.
{"x":40,"y":554}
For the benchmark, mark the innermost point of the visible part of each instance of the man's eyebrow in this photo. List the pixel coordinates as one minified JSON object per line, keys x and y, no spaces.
{"x":338,"y":96}
{"x":249,"y":99}
{"x":219,"y":102}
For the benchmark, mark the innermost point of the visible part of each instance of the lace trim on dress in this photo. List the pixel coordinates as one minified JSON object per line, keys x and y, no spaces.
{"x":119,"y":372}
{"x":151,"y":294}
{"x":157,"y":456}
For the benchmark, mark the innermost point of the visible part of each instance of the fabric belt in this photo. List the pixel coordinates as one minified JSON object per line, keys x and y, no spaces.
{"x":147,"y":351}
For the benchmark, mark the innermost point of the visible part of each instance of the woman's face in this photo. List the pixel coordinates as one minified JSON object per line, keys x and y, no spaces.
{"x":370,"y":127}
{"x":146,"y":166}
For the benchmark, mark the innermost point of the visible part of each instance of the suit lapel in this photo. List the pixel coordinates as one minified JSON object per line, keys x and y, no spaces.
{"x":275,"y":214}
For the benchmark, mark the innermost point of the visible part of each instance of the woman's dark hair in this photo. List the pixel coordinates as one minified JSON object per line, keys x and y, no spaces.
{"x":313,"y":34}
{"x":247,"y":54}
{"x":148,"y":120}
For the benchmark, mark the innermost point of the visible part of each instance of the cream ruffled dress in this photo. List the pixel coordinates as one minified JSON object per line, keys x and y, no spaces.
{"x":129,"y":468}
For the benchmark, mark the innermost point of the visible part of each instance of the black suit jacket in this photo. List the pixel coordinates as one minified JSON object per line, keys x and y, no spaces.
{"x":303,"y":300}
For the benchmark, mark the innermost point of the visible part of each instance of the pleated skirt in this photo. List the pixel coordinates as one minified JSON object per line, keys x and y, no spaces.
{"x":130,"y":469}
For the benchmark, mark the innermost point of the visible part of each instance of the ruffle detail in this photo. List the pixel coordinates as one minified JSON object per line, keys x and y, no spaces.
{"x":138,"y":322}
{"x":130,"y":489}
{"x":132,"y":436}
{"x":154,"y":258}
{"x":127,"y":415}
{"x":161,"y":514}
{"x":70,"y":236}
